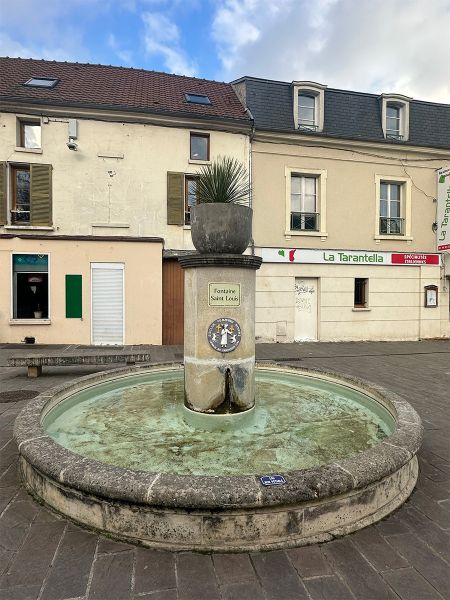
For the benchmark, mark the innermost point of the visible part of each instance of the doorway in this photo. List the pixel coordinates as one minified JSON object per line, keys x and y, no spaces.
{"x":107,"y":297}
{"x":173,"y":303}
{"x":306,"y":310}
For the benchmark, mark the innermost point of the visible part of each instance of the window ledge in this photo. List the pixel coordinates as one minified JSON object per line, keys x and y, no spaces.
{"x":30,"y":150}
{"x":30,"y":227}
{"x":30,"y":322}
{"x":187,"y":227}
{"x":361,"y":309}
{"x":192,"y":161}
{"x":322,"y":234}
{"x":405,"y":238}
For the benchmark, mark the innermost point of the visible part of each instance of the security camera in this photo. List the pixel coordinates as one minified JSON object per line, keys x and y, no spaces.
{"x":72,"y":145}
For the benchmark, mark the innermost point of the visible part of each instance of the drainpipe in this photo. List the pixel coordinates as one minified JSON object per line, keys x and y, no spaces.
{"x":250,"y":173}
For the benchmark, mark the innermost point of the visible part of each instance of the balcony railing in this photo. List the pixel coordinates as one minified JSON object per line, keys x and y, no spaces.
{"x":302,"y":221}
{"x":392,"y":226}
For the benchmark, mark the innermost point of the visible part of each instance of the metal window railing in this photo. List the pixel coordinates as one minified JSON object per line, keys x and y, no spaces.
{"x":303,"y":221}
{"x":20,"y":216}
{"x":392,"y":226}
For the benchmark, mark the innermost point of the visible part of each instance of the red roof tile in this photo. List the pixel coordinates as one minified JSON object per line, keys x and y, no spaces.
{"x":116,"y":87}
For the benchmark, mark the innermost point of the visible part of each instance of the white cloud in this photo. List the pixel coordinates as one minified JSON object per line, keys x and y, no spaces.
{"x":365,"y":45}
{"x":162,"y":37}
{"x":126,"y":56}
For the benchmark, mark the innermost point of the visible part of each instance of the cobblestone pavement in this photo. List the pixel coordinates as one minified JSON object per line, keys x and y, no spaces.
{"x":407,"y":555}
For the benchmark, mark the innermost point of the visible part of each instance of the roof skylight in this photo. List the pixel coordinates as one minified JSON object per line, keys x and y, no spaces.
{"x":197,"y":99}
{"x":42,"y":82}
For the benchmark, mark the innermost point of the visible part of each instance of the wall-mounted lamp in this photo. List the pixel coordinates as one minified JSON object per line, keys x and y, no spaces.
{"x":434,"y":227}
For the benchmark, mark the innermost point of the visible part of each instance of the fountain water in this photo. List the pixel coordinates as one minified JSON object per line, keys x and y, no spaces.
{"x":319,"y":455}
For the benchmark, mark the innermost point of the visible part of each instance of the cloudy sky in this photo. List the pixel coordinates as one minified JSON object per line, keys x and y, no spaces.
{"x":366,"y":45}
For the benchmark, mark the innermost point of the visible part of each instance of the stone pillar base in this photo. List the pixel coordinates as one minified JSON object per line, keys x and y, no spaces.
{"x":219,"y":332}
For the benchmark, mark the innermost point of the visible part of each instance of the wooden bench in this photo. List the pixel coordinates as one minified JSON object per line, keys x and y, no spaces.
{"x":35,"y":362}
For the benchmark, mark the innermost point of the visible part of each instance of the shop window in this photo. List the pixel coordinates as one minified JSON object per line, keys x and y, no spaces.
{"x":361,"y":293}
{"x":199,"y":146}
{"x":30,"y":286}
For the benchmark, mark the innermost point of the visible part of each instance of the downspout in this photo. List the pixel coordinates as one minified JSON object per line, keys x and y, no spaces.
{"x":250,"y":172}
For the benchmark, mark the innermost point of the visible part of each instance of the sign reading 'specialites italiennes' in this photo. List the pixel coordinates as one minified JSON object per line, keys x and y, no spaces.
{"x":443,"y":210}
{"x":347,"y":257}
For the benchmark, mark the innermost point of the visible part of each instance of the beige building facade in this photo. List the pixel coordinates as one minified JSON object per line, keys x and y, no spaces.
{"x":95,"y":194}
{"x":346,"y":225}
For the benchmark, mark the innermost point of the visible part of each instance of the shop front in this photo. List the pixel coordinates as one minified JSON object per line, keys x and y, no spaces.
{"x":348,"y":295}
{"x":80,"y":290}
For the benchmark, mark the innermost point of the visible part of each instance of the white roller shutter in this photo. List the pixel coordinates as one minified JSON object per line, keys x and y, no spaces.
{"x":107,"y":303}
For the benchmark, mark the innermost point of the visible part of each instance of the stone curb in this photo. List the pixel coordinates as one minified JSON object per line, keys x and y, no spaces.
{"x":221,"y":492}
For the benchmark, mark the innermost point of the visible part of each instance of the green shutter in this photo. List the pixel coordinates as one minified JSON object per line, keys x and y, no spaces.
{"x":74,"y":304}
{"x":41,"y":194}
{"x":3,"y":215}
{"x":175,"y":198}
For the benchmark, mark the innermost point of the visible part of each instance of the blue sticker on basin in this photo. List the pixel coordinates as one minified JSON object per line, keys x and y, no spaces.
{"x":272,"y":480}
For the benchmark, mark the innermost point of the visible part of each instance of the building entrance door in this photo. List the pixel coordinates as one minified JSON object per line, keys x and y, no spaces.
{"x":173,"y":303}
{"x":107,"y":304}
{"x":305,"y":310}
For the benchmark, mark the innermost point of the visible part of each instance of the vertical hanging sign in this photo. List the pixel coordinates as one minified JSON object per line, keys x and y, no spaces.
{"x":443,"y":210}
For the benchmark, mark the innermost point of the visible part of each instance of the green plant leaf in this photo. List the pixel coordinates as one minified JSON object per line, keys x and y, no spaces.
{"x":225,"y":180}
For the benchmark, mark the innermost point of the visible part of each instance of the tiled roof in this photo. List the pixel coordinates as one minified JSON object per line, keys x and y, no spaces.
{"x":117,"y":87}
{"x":349,"y":115}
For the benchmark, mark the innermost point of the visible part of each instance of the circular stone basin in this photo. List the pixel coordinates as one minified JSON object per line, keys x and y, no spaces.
{"x":114,"y":451}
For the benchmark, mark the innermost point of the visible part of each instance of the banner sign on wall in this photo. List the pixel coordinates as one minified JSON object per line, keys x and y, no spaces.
{"x":443,"y":210}
{"x":346,"y":257}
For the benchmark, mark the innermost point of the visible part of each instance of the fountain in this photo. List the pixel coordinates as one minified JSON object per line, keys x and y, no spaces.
{"x":181,"y":457}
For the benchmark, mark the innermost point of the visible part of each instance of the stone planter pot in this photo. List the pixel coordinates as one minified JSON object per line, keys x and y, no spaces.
{"x":221,"y":228}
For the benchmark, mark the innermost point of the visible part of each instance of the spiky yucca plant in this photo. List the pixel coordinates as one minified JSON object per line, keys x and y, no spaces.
{"x":225,"y":180}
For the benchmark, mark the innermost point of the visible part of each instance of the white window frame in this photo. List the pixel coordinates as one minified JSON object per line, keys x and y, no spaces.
{"x":321,"y":193}
{"x":315,"y":90}
{"x":405,"y":206}
{"x":402,"y":103}
{"x":14,"y":321}
{"x":27,"y":118}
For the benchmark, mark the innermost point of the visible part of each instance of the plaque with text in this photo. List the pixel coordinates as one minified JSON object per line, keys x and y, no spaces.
{"x":224,"y":294}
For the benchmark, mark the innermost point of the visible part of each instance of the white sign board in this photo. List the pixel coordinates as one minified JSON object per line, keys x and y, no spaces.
{"x":443,"y":210}
{"x":346,"y":257}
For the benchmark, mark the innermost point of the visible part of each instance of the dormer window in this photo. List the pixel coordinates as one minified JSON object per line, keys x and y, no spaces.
{"x":395,"y":117}
{"x":308,"y":105}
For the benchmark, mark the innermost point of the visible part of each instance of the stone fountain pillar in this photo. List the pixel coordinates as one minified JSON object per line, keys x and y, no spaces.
{"x":219,"y":323}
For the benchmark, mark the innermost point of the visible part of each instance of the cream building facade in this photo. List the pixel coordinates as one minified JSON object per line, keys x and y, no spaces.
{"x":95,"y":194}
{"x":344,"y":198}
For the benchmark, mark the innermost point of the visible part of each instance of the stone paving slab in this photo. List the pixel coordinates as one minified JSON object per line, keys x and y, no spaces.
{"x":406,"y":556}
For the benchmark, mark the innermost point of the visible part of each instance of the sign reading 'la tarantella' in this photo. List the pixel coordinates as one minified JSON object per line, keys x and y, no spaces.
{"x":347,"y":257}
{"x":443,"y":210}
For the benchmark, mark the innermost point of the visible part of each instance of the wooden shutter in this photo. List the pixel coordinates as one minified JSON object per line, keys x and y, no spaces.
{"x":3,"y":203}
{"x":41,"y":194}
{"x":175,"y":198}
